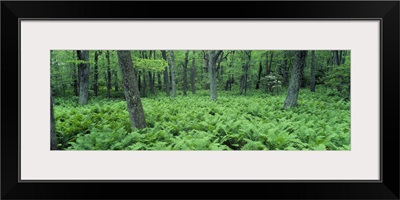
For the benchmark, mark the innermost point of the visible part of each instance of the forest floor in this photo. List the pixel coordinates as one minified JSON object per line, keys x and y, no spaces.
{"x":255,"y":121}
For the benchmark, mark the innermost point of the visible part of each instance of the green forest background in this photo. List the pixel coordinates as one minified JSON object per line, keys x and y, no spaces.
{"x":200,"y":100}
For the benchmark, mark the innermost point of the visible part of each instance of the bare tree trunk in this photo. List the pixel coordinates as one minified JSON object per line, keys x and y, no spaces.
{"x":164,"y":55}
{"x":185,"y":82}
{"x":193,"y":74}
{"x":116,"y":81}
{"x":151,"y":81}
{"x":96,"y":73}
{"x":295,"y":80}
{"x":284,"y":69}
{"x":83,"y":71}
{"x":336,"y":57}
{"x":53,"y":133}
{"x":213,"y":56}
{"x":312,"y":84}
{"x":245,"y":73}
{"x":131,"y":90}
{"x":172,"y":65}
{"x":259,"y":77}
{"x":108,"y":74}
{"x":74,"y":76}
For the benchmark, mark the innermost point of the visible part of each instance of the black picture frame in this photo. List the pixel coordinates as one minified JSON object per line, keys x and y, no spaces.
{"x":386,"y":11}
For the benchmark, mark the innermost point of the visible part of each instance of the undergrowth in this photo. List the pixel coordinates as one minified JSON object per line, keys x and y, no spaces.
{"x":252,"y":122}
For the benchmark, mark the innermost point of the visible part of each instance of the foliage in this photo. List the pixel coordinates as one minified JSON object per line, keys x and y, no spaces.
{"x":338,"y":79}
{"x":252,"y":122}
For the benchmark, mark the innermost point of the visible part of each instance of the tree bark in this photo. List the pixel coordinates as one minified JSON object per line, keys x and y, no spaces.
{"x":164,"y":55}
{"x":336,"y":57}
{"x":312,"y":82}
{"x":53,"y":133}
{"x":131,"y":90}
{"x":96,"y":73}
{"x":284,"y":68}
{"x":259,"y":77}
{"x":108,"y":74}
{"x":243,"y":80}
{"x":185,"y":64}
{"x":151,"y":81}
{"x":172,"y":65}
{"x":212,"y":57}
{"x":193,"y":74}
{"x":295,"y":80}
{"x":74,"y":76}
{"x":116,"y":81}
{"x":84,"y":72}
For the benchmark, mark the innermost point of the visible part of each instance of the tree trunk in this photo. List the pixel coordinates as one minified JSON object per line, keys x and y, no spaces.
{"x":312,"y":82}
{"x":74,"y":76}
{"x":295,"y":80}
{"x":270,"y":63}
{"x":284,"y":68}
{"x":53,"y":133}
{"x":185,"y":64}
{"x":131,"y":90}
{"x":159,"y":81}
{"x":96,"y":73}
{"x":245,"y":73}
{"x":193,"y":74}
{"x":259,"y":77}
{"x":164,"y":55}
{"x":172,"y":65}
{"x":108,"y":74}
{"x":84,"y":72}
{"x":212,"y":57}
{"x":151,"y":81}
{"x":336,"y":57}
{"x":115,"y":81}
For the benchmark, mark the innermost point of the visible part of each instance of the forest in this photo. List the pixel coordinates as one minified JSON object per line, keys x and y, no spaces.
{"x":200,"y":99}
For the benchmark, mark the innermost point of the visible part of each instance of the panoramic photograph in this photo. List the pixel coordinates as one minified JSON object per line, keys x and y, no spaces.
{"x":244,"y":100}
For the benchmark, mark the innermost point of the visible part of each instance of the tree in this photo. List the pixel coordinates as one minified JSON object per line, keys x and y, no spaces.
{"x":185,"y":63}
{"x":131,"y":90}
{"x":295,"y":80}
{"x":96,"y":73}
{"x":243,"y":79}
{"x":166,"y":84}
{"x":312,"y":82}
{"x":53,"y":134}
{"x":193,"y":74}
{"x":108,"y":74}
{"x":74,"y":76}
{"x":173,"y":78}
{"x":83,"y":72}
{"x":212,"y":59}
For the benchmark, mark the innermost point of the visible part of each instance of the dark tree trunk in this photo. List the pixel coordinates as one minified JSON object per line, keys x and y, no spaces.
{"x":259,"y":77}
{"x":284,"y":68}
{"x":172,"y":65}
{"x":212,"y":57}
{"x":108,"y":74}
{"x":144,"y":85}
{"x":164,"y":55}
{"x":312,"y":82}
{"x":151,"y":82}
{"x":96,"y":73}
{"x":159,"y":81}
{"x":270,"y":63}
{"x":243,"y":87}
{"x":116,"y":81}
{"x":84,"y":72}
{"x":193,"y":74}
{"x":336,"y":57}
{"x":131,"y":90}
{"x":295,"y":80}
{"x":74,"y":76}
{"x":53,"y":133}
{"x":185,"y":64}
